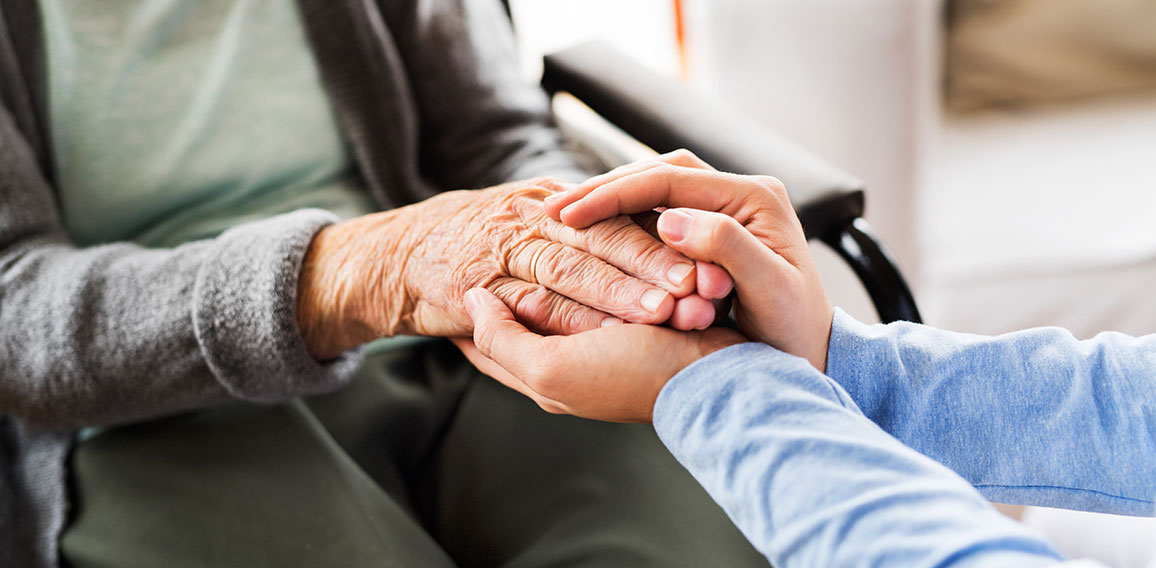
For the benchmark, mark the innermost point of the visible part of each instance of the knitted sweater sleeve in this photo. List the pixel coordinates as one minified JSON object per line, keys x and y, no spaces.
{"x":119,"y":332}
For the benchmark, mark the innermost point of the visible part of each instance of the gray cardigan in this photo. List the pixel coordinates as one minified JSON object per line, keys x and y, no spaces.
{"x":428,"y":94}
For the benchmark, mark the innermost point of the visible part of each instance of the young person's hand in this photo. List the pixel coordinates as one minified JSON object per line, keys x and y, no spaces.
{"x":745,"y":224}
{"x":613,"y":373}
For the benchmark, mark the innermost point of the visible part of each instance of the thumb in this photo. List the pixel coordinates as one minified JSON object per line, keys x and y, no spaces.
{"x":720,"y":239}
{"x":497,"y":334}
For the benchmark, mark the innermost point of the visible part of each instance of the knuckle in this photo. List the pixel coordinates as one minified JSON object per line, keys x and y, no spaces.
{"x":552,"y":263}
{"x":772,"y":185}
{"x":547,"y":182}
{"x":549,"y":312}
{"x":719,"y":230}
{"x":614,"y":235}
{"x":527,"y":302}
{"x":656,"y":257}
{"x":714,"y":233}
{"x":621,"y":291}
{"x":512,"y":251}
{"x":583,"y":268}
{"x":569,"y":316}
{"x":520,"y":197}
{"x":687,"y":158}
{"x":770,"y":182}
{"x":535,"y":309}
{"x":667,"y":169}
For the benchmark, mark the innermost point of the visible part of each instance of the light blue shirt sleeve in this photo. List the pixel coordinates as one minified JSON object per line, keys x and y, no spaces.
{"x":812,"y":482}
{"x":1035,"y":417}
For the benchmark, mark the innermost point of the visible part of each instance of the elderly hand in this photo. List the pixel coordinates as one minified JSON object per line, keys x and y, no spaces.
{"x":613,"y":374}
{"x":406,"y":271}
{"x":745,"y":224}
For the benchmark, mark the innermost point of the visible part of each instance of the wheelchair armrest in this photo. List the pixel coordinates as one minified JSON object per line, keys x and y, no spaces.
{"x":666,"y":115}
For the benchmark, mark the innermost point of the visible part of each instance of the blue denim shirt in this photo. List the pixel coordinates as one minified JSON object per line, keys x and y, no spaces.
{"x":887,"y":460}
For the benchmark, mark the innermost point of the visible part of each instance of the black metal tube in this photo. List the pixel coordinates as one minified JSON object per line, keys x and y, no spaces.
{"x":857,"y":244}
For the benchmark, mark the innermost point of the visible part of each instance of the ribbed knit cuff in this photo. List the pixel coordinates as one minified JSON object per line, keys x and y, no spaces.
{"x":244,"y":311}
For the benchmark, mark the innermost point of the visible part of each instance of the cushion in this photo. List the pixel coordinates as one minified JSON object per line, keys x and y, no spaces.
{"x":1017,"y":52}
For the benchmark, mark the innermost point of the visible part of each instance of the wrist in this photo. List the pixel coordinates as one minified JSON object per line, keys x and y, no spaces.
{"x":321,"y":313}
{"x":343,"y":296}
{"x":822,"y":344}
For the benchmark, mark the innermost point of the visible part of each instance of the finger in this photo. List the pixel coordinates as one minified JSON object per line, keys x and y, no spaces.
{"x":692,"y":313}
{"x":497,"y":334}
{"x":548,"y":312}
{"x":486,"y":364}
{"x":499,"y":337}
{"x":681,"y":157}
{"x":587,"y":279}
{"x":713,"y":282}
{"x":675,"y":186}
{"x":720,"y":239}
{"x":628,"y":247}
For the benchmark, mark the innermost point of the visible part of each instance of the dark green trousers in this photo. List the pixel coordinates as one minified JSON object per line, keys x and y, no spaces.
{"x":421,"y":461}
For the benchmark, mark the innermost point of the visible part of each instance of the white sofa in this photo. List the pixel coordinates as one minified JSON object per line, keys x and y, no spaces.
{"x":1002,"y":220}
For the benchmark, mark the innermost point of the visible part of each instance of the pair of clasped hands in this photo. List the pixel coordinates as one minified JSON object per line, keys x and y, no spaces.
{"x":740,"y":231}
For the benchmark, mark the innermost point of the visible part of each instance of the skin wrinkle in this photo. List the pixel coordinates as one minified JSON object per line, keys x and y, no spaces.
{"x":521,"y":257}
{"x":545,"y":264}
{"x":406,"y":271}
{"x":526,"y":300}
{"x":632,"y":249}
{"x":622,"y":230}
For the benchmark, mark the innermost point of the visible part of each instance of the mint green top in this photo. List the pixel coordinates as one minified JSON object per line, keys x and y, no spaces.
{"x":173,"y":120}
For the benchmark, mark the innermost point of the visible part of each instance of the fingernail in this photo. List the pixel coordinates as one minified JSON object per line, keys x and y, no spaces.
{"x":608,"y":322}
{"x":678,"y":273}
{"x":730,"y":286}
{"x":557,"y":196}
{"x":471,"y":301}
{"x":674,"y":224}
{"x":707,"y":320}
{"x":652,"y":300}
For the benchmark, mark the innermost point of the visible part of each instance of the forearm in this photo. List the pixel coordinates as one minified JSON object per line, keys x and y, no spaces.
{"x":118,"y":332}
{"x":811,"y":482}
{"x":1035,"y":417}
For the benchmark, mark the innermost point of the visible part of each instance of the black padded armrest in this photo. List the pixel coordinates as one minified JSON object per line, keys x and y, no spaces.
{"x":666,"y":115}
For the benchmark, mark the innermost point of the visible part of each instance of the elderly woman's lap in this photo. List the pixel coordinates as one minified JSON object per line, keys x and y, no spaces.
{"x":421,"y":461}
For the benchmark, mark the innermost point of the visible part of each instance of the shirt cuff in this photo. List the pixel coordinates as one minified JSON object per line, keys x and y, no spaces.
{"x":857,"y":360}
{"x":711,"y":377}
{"x":245,"y":311}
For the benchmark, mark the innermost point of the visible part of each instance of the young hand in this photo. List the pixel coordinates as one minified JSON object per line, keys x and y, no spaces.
{"x":745,"y":224}
{"x":613,"y":373}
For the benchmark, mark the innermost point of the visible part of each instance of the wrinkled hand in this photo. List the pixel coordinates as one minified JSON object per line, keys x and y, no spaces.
{"x":745,"y":224}
{"x":613,"y":373}
{"x":406,"y":271}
